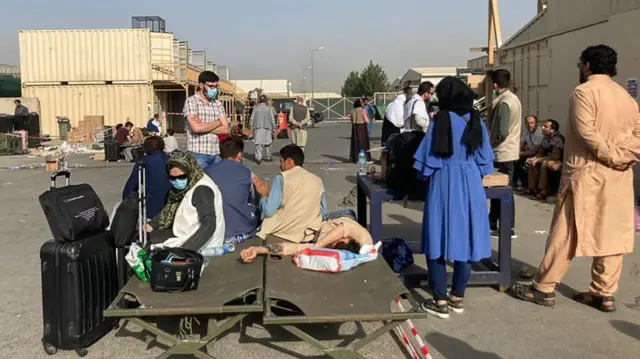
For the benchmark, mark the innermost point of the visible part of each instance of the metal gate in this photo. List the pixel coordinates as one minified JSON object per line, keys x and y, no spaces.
{"x":334,"y":108}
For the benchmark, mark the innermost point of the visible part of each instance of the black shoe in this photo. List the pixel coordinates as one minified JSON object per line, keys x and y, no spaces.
{"x":493,"y":230}
{"x":457,"y":306}
{"x":431,"y":307}
{"x":268,"y":160}
{"x":258,"y":162}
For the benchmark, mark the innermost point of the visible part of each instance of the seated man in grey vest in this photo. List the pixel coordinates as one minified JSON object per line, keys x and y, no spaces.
{"x":235,"y":182}
{"x":294,"y":203}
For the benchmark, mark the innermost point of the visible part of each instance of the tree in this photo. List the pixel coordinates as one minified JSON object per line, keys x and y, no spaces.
{"x":372,"y":79}
{"x":352,"y":85}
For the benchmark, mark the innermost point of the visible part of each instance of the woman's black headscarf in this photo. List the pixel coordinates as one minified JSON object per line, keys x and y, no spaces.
{"x":455,"y":96}
{"x":357,"y":103}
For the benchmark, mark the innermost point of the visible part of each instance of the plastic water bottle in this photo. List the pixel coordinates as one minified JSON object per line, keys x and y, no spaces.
{"x":240,"y":238}
{"x":362,"y":164}
{"x":218,"y":251}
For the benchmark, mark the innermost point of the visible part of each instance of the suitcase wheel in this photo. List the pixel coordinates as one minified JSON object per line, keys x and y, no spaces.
{"x":49,"y":348}
{"x":82,"y":352}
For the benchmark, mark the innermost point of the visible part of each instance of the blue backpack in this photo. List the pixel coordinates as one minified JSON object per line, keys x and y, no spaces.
{"x":396,"y":253}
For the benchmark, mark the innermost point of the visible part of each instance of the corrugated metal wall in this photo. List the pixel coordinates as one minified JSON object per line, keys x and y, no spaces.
{"x":162,"y":56}
{"x":478,"y":63}
{"x":223,"y":73}
{"x":54,"y":56}
{"x":180,"y":59}
{"x":545,"y":70}
{"x":572,"y":14}
{"x":114,"y":102}
{"x":530,"y":74}
{"x":198,"y":58}
{"x":570,"y":28}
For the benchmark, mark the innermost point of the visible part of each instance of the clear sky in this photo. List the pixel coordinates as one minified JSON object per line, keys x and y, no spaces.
{"x":273,"y":39}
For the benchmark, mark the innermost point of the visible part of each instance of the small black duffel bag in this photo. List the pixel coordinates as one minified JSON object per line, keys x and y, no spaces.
{"x":73,"y":212}
{"x":175,"y":270}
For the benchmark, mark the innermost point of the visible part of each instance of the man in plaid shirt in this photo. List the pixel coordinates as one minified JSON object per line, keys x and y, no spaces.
{"x":205,"y":120}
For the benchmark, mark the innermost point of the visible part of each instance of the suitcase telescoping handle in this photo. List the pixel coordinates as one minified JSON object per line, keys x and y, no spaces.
{"x":142,"y":204}
{"x":55,"y":176}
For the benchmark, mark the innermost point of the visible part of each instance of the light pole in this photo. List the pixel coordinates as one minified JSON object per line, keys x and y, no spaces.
{"x":312,"y":69}
{"x":304,"y":80}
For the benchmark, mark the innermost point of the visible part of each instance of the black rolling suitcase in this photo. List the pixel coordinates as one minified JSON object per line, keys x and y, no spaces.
{"x":79,"y":281}
{"x":111,"y":151}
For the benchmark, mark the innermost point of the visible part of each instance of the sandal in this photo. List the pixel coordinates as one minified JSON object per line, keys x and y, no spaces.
{"x":596,"y":302}
{"x":528,"y":293}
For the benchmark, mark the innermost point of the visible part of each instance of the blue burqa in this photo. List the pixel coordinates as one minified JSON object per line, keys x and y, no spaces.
{"x":455,"y":225}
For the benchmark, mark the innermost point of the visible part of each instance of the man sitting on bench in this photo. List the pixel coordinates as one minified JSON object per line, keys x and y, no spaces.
{"x":123,"y":135}
{"x":340,"y":233}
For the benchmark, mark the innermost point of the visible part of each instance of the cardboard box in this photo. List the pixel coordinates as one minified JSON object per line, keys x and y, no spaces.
{"x":98,"y":157}
{"x":52,"y":164}
{"x":477,"y":84}
{"x":495,"y":180}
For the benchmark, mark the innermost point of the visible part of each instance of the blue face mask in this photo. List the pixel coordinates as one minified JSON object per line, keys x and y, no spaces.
{"x":211,"y":93}
{"x":179,"y":184}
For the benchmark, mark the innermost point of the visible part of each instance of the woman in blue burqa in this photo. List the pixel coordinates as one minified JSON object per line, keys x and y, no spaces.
{"x":455,"y":154}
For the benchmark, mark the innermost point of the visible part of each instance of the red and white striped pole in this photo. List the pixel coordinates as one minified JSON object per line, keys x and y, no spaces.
{"x":416,"y":335}
{"x":407,"y":344}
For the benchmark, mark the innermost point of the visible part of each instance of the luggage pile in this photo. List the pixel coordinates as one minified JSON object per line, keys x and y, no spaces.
{"x":400,"y":174}
{"x":83,"y":266}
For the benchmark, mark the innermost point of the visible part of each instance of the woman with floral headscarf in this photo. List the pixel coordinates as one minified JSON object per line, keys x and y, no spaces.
{"x":193,"y":216}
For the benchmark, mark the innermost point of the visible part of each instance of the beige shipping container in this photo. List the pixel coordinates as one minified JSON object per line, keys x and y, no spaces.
{"x":162,"y":64}
{"x":115,"y":102}
{"x":76,"y":56}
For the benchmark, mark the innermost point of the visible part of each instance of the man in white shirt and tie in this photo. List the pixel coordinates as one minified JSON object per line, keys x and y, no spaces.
{"x":416,"y":117}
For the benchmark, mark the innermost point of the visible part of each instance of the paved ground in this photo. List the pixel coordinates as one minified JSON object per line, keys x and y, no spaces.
{"x":493,"y":326}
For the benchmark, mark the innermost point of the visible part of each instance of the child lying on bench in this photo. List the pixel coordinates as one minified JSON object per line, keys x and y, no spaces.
{"x":341,"y":233}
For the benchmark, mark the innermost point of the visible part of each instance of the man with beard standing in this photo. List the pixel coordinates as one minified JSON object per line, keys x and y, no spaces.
{"x":506,"y":129}
{"x":299,"y":120}
{"x":593,"y":216}
{"x":263,"y":126}
{"x":205,"y":120}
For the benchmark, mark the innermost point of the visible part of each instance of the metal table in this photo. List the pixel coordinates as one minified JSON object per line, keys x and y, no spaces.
{"x":497,"y":273}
